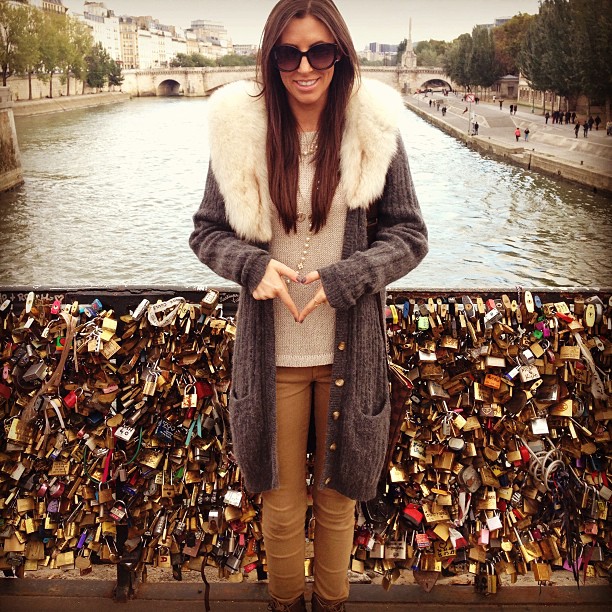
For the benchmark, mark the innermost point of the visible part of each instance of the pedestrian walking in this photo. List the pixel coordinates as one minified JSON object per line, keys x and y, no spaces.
{"x":585,"y":128}
{"x":500,"y":103}
{"x":547,"y":117}
{"x":511,"y":108}
{"x":296,"y":160}
{"x":515,"y":109}
{"x":476,"y":128}
{"x":597,"y":122}
{"x":517,"y":133}
{"x":568,"y":116}
{"x":526,"y":133}
{"x":577,"y":128}
{"x":591,"y":122}
{"x":573,"y":116}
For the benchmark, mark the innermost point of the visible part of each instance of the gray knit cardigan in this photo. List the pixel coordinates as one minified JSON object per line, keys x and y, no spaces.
{"x":232,"y":230}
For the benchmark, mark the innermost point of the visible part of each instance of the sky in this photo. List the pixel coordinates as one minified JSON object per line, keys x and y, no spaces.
{"x":384,"y":21}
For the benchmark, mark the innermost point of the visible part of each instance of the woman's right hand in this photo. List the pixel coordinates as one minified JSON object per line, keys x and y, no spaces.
{"x":273,"y":285}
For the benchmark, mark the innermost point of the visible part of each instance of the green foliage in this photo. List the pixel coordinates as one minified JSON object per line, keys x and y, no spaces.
{"x":401,"y":48}
{"x":483,"y":69}
{"x":508,"y":39}
{"x":98,"y":66}
{"x":197,"y":60}
{"x":236,"y":60}
{"x":54,"y":46}
{"x":456,"y":61}
{"x":568,"y":47}
{"x":13,"y":32}
{"x":431,"y":52}
{"x":114,"y":73}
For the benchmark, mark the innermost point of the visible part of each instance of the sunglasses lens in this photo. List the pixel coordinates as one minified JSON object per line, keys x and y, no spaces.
{"x":321,"y":57}
{"x":287,"y":58}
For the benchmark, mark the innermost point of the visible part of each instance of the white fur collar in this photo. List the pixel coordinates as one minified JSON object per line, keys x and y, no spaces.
{"x":237,"y":133}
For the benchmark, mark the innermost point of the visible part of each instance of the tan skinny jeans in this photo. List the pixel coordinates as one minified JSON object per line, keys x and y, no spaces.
{"x":284,"y":509}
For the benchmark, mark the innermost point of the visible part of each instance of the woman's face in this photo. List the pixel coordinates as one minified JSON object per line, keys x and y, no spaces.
{"x":307,"y":87}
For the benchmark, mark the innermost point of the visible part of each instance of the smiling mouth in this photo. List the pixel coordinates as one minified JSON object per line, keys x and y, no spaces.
{"x":309,"y":83}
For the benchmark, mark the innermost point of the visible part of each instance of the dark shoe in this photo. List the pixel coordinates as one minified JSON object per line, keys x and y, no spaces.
{"x":299,"y":605}
{"x":320,"y":605}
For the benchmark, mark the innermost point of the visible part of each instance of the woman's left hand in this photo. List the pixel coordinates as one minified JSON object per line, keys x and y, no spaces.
{"x":317,"y":300}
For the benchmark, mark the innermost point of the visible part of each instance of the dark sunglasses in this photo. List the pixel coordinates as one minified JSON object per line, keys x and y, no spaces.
{"x":320,"y":57}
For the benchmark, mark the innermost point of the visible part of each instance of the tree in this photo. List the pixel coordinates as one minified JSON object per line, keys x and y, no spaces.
{"x":431,"y":52}
{"x":29,"y":47}
{"x":98,"y":64}
{"x":483,"y":68}
{"x":508,"y":39}
{"x":114,"y":74}
{"x":13,"y":28}
{"x":456,"y":61}
{"x":401,"y":49}
{"x":54,"y":46}
{"x":592,"y":32}
{"x":80,"y":44}
{"x":193,"y":60}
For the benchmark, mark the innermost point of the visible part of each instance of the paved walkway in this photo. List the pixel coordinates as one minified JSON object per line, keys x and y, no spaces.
{"x":554,"y":140}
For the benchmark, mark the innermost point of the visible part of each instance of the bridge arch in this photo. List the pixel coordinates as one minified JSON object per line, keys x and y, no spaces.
{"x":435,"y":84}
{"x":169,"y":87}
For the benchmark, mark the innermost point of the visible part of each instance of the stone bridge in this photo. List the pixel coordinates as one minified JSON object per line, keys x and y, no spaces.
{"x":198,"y":82}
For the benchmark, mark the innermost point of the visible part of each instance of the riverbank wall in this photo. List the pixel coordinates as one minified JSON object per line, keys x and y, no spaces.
{"x":10,"y":160}
{"x":522,"y":154}
{"x":28,"y":108}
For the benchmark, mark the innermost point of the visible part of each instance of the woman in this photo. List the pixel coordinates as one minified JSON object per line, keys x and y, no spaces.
{"x":296,"y":162}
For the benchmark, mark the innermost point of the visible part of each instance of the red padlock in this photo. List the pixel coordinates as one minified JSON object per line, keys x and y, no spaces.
{"x":56,"y":307}
{"x":413,"y":514}
{"x":5,"y":391}
{"x":71,"y":398}
{"x":203,"y":389}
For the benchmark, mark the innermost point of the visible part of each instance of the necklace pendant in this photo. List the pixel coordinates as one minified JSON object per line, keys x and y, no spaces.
{"x":301,"y":217}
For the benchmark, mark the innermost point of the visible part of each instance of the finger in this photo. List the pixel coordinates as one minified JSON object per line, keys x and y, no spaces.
{"x":311,"y":277}
{"x":289,"y":303}
{"x":284,"y":270}
{"x":316,"y":301}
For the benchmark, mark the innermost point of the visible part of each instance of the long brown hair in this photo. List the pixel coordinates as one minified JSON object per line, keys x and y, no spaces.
{"x":282,"y":145}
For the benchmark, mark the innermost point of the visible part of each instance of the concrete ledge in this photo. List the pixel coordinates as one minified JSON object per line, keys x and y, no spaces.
{"x":29,"y":108}
{"x":509,"y":596}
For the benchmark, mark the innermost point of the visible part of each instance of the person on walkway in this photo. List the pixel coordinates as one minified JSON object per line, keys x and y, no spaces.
{"x":609,"y":128}
{"x":511,"y":108}
{"x":517,"y":133}
{"x":591,"y":122}
{"x":597,"y":122}
{"x":585,"y":128}
{"x":568,"y":116}
{"x":526,"y":133}
{"x":577,"y":128}
{"x":515,"y":109}
{"x":476,"y":128}
{"x":302,"y":161}
{"x":573,"y":117}
{"x":547,"y":117}
{"x":500,"y":103}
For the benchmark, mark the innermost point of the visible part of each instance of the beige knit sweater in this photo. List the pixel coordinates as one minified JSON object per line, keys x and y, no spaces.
{"x":309,"y":343}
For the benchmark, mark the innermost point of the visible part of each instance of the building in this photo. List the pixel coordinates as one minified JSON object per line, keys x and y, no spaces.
{"x":213,"y":39}
{"x":51,"y":6}
{"x":104,"y":27}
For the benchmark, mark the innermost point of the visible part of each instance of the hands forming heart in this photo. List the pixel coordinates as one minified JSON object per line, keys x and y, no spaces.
{"x":273,"y":285}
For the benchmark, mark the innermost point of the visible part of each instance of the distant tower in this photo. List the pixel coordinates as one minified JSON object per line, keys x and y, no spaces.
{"x":409,"y":56}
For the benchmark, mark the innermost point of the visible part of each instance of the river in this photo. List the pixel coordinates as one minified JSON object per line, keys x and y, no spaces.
{"x":109,"y":194}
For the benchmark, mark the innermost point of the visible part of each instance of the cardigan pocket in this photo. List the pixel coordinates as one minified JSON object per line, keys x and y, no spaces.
{"x":367,"y":448}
